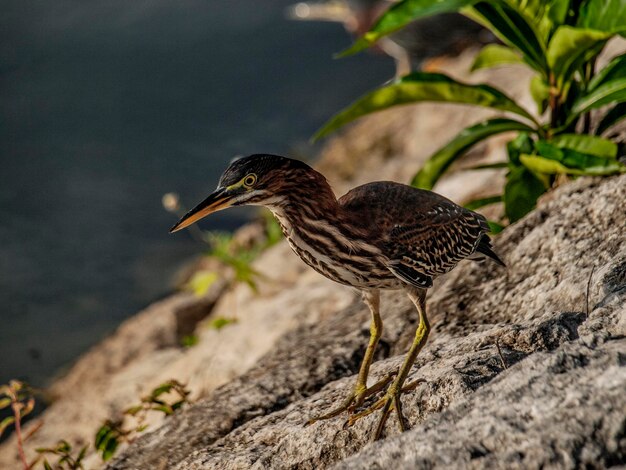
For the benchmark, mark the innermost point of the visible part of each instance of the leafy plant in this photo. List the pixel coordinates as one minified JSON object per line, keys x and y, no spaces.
{"x":65,"y":459}
{"x":560,"y":41}
{"x":19,"y":397}
{"x":167,"y":398}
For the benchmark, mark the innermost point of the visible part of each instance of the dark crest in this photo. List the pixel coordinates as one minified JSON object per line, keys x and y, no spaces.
{"x":260,"y":164}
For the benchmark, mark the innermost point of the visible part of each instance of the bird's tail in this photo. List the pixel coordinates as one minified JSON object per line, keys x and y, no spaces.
{"x":484,"y":247}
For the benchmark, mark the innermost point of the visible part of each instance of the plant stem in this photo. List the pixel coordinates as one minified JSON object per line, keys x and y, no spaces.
{"x":18,"y":433}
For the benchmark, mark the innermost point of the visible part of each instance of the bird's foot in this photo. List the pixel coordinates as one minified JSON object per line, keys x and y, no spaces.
{"x":354,"y":400}
{"x":389,"y":402}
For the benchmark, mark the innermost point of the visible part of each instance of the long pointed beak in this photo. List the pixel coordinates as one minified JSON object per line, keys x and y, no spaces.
{"x":217,"y":201}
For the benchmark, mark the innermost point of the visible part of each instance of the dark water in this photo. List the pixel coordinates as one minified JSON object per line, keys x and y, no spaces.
{"x":107,"y":104}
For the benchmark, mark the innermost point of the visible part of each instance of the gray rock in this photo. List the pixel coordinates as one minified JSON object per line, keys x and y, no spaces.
{"x":517,"y":374}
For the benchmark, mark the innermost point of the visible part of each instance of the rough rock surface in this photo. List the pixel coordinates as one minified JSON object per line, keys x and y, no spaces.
{"x":559,"y":402}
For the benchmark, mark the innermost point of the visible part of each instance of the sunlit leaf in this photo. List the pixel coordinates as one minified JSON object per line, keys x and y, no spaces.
{"x":161,"y":389}
{"x":514,"y":30}
{"x":401,"y":14}
{"x":28,"y":407}
{"x":578,"y":163}
{"x":494,"y":55}
{"x":543,"y":15}
{"x":201,"y":282}
{"x":220,"y":322}
{"x":133,"y":410}
{"x":538,"y":164}
{"x":588,"y":144}
{"x":570,"y":47}
{"x":4,"y":402}
{"x":419,"y":87}
{"x":540,"y":91}
{"x":438,"y":162}
{"x":5,"y":423}
{"x":603,"y":15}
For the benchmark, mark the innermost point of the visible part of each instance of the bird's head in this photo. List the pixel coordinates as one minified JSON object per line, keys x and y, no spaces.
{"x":263,"y":180}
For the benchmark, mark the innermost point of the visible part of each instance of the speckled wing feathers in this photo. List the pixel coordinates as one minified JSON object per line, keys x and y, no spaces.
{"x":434,"y":242}
{"x":421,"y":233}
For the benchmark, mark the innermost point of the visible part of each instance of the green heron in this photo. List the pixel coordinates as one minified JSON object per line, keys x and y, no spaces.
{"x":380,"y":235}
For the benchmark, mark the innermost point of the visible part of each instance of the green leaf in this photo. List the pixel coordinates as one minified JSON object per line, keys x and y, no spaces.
{"x":490,"y":166}
{"x":110,"y":448}
{"x":544,"y":165}
{"x":46,"y":465}
{"x":438,"y":162}
{"x":494,"y":55}
{"x":521,"y":144}
{"x":161,"y":389}
{"x":4,"y":402}
{"x":418,"y":87}
{"x":166,"y":409}
{"x":133,"y":410}
{"x":5,"y":423}
{"x":609,"y":92}
{"x":220,"y":322}
{"x":521,"y":192}
{"x":589,"y":144}
{"x":401,"y":14}
{"x":485,"y":201}
{"x":540,"y":91}
{"x":571,"y":47}
{"x":613,"y":70}
{"x":616,"y":114}
{"x":82,"y":454}
{"x":201,"y":282}
{"x":543,"y":15}
{"x":495,"y":227}
{"x":101,"y":435}
{"x":189,"y":341}
{"x":578,"y":163}
{"x":514,"y":30}
{"x":603,"y":15}
{"x":538,"y":164}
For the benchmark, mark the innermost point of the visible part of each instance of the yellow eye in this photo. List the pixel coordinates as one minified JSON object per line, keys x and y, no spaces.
{"x":249,"y":180}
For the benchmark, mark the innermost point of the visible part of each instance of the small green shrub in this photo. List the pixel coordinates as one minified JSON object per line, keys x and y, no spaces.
{"x":167,"y":398}
{"x":560,"y":41}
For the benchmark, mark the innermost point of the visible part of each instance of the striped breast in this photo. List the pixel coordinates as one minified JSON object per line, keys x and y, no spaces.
{"x":328,"y":250}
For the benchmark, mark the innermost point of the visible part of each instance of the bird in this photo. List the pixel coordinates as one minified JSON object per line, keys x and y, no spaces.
{"x":418,"y":45}
{"x":380,"y":235}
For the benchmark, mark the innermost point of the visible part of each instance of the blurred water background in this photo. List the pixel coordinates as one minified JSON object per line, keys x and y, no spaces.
{"x":105,"y":105}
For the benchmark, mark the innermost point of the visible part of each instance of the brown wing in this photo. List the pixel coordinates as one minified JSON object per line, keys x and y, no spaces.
{"x":422,"y":234}
{"x":432,"y":242}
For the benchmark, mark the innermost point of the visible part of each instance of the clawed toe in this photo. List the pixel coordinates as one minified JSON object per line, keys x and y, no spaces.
{"x":355,"y":400}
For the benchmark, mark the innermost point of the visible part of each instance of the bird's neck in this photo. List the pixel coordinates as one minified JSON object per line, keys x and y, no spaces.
{"x":308,"y":200}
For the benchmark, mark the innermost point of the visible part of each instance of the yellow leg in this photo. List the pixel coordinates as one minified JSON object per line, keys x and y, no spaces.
{"x":361,"y":392}
{"x":391,"y":399}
